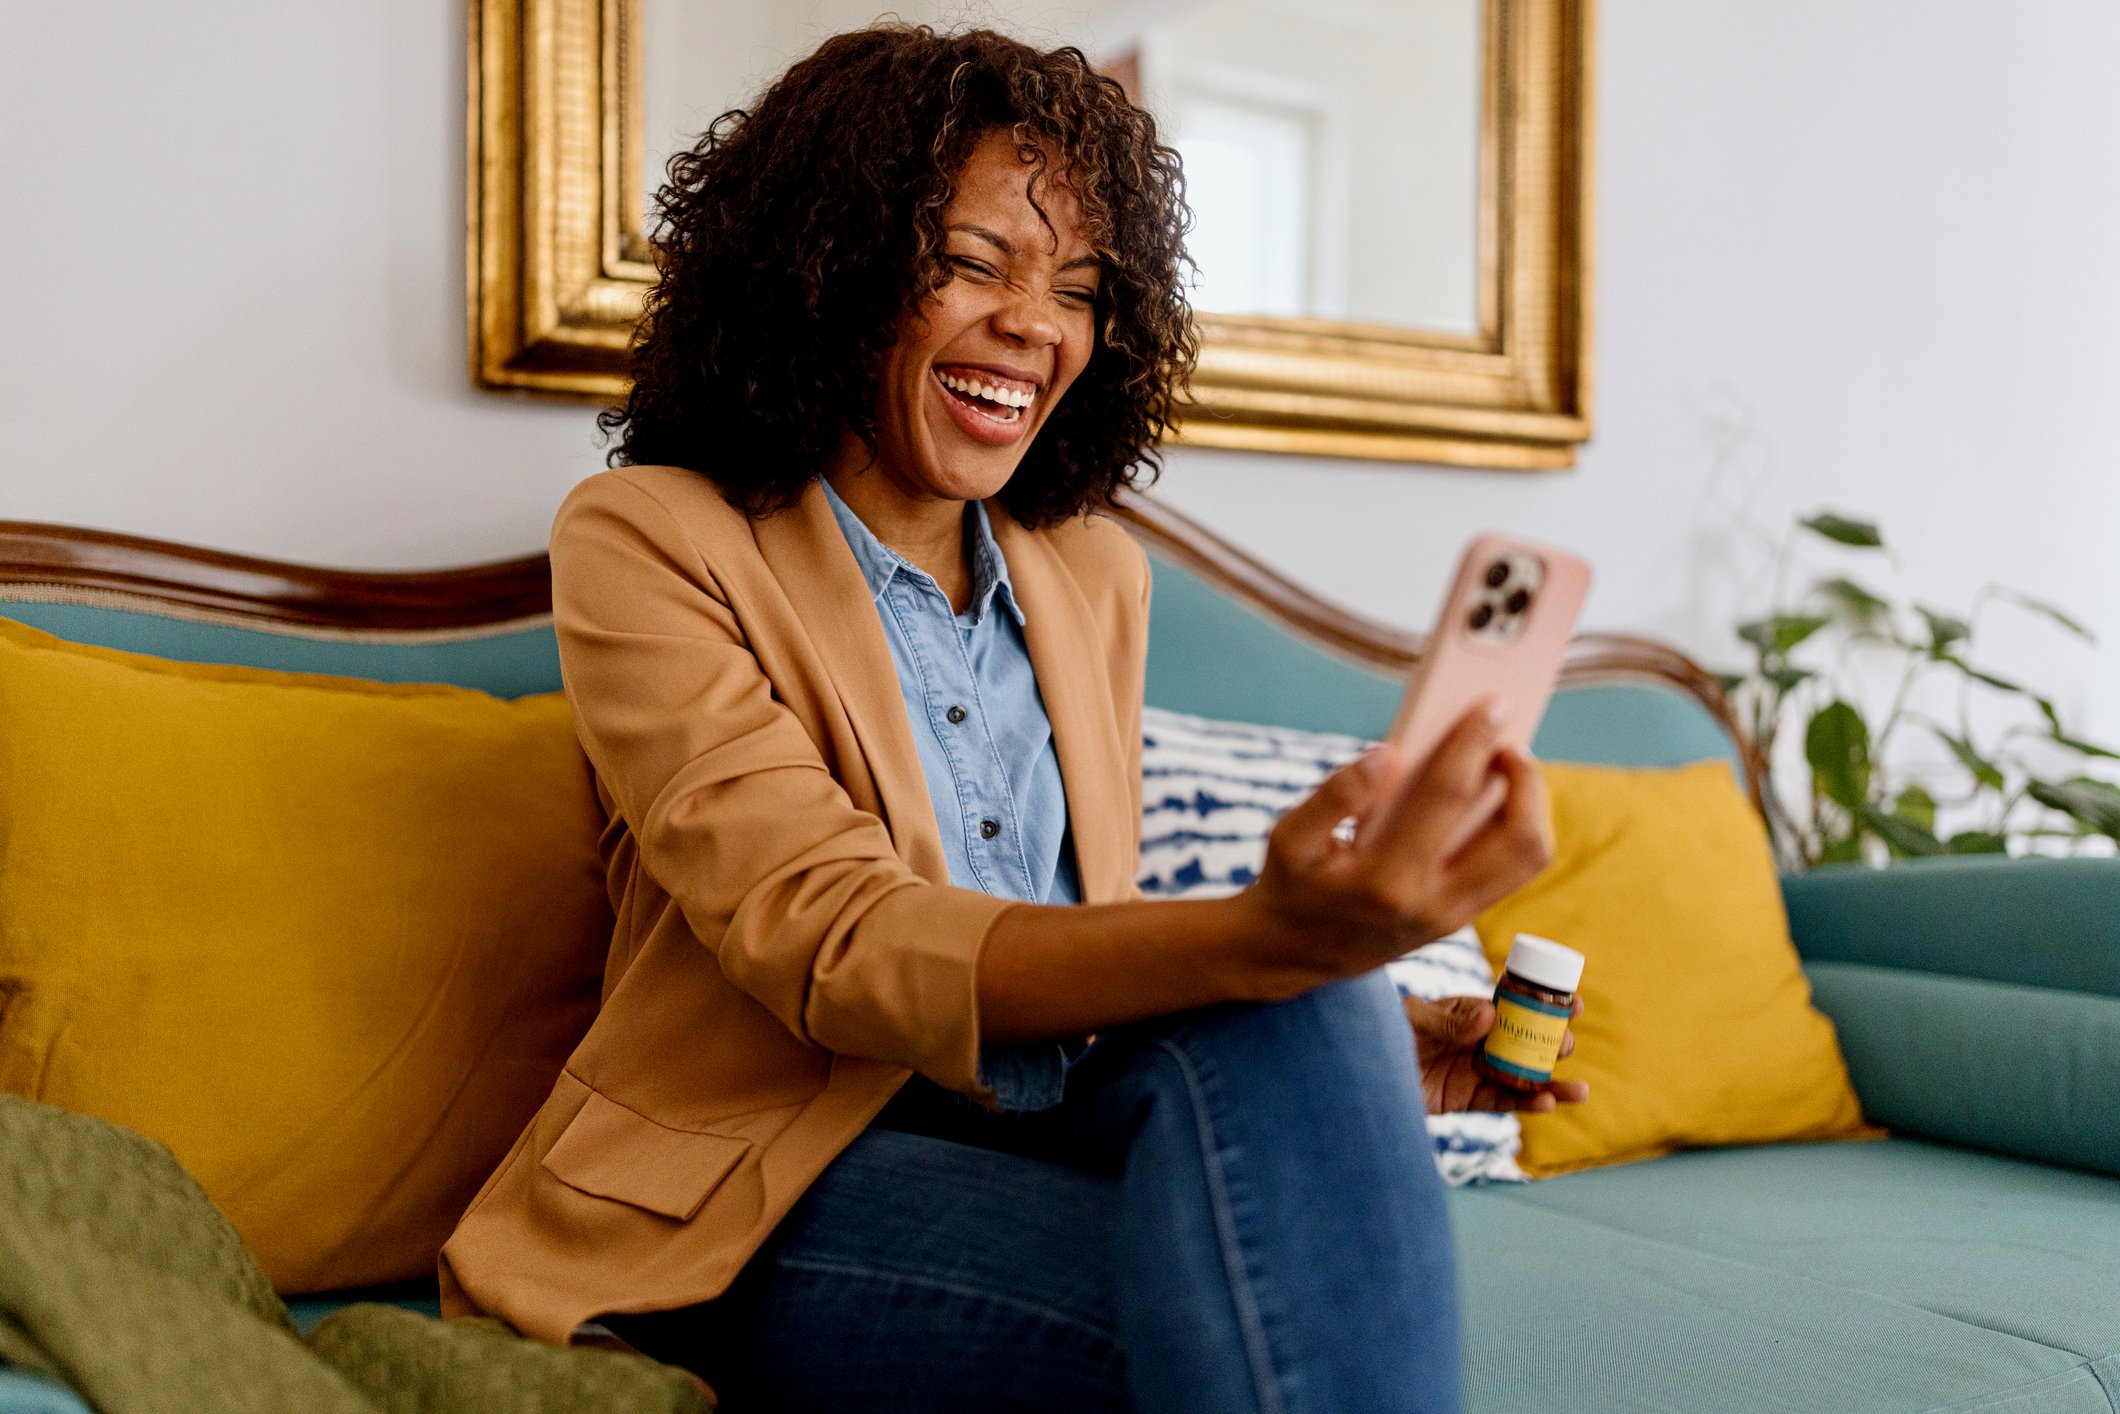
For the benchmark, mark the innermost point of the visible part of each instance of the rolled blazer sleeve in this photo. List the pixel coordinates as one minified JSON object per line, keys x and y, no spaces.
{"x":797,"y":890}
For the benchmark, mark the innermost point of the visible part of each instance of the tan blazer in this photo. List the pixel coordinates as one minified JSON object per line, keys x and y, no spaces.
{"x":788,"y":949}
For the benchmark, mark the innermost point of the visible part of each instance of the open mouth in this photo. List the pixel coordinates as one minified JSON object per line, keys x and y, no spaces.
{"x":999,"y":400}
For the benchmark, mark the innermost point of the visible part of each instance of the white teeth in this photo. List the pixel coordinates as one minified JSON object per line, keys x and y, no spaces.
{"x":1007,"y":397}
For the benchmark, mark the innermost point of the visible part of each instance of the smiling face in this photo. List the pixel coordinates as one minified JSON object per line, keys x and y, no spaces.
{"x":979,"y":369}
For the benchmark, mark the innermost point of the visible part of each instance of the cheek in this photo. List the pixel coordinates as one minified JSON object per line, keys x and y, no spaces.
{"x":1080,"y":347}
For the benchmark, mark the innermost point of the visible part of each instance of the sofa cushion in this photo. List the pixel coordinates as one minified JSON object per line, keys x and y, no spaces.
{"x":1697,"y":1024}
{"x":330,"y":940}
{"x":1898,"y":1275}
{"x":23,"y":1393}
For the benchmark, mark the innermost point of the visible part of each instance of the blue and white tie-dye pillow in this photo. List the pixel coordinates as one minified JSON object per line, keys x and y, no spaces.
{"x":1210,"y":793}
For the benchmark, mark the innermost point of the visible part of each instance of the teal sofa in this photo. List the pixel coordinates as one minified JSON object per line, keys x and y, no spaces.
{"x":1970,"y":1262}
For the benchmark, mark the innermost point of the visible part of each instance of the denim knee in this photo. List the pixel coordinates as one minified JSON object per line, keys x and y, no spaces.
{"x":1356,"y":1027}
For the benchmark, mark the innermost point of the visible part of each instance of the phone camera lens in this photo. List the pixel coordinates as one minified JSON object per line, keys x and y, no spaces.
{"x":1482,"y":616}
{"x":1497,"y":574}
{"x":1518,"y":602}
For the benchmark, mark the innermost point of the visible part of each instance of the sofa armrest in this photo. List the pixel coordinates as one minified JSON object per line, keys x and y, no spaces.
{"x":2029,"y":922}
{"x":1977,"y":999}
{"x":2028,"y":1071}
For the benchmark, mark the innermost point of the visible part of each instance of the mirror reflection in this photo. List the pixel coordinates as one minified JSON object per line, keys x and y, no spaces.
{"x":1331,"y":147}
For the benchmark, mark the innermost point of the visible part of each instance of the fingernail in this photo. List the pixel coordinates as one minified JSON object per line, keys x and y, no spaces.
{"x":1376,"y":762}
{"x":1497,"y":712}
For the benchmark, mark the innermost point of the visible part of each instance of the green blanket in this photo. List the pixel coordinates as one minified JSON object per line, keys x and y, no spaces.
{"x":120,"y":1278}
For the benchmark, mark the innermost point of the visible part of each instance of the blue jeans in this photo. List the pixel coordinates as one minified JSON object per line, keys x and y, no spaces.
{"x":1233,"y":1209}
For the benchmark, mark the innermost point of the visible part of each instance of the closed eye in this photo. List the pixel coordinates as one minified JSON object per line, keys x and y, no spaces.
{"x":975,"y":267}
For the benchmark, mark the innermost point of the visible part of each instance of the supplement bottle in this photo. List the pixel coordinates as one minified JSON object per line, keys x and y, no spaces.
{"x":1531,"y":1008}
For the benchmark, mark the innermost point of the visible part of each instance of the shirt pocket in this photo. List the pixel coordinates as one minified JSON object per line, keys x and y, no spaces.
{"x":609,"y":1151}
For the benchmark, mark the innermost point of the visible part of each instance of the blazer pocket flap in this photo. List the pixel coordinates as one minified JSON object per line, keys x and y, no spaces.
{"x":612,"y":1152}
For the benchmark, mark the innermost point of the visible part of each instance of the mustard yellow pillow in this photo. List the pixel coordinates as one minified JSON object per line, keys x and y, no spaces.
{"x":330,"y":940}
{"x":1697,"y":1025}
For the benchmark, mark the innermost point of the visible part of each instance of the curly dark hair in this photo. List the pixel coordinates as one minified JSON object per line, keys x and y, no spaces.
{"x":793,"y":239}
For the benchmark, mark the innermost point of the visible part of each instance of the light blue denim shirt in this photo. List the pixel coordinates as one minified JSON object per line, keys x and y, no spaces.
{"x":986,"y":749}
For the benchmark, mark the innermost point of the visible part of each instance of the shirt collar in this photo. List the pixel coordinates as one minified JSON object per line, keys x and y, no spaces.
{"x":880,"y":563}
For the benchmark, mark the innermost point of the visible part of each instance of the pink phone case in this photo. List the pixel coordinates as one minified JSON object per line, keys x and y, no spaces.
{"x":1466,"y":662}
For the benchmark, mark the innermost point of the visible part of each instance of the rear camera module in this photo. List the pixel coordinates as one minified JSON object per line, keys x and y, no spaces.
{"x":1507,"y":590}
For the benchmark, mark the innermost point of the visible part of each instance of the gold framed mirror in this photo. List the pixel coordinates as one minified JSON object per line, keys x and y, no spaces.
{"x":1493,"y":371}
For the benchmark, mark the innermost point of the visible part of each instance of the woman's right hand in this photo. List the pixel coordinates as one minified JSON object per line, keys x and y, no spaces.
{"x":1326,"y":907}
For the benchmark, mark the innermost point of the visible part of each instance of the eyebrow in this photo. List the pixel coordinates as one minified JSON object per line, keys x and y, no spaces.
{"x":1001,"y":243}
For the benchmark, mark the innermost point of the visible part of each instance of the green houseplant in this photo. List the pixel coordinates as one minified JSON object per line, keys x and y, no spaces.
{"x":1853,"y":674}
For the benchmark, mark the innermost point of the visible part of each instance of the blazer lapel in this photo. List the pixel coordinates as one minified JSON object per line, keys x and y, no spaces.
{"x":1070,"y":664}
{"x":809,"y":557}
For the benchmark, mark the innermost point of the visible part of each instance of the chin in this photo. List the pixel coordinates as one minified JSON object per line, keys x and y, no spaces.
{"x":973,"y":474}
{"x":970,"y":484}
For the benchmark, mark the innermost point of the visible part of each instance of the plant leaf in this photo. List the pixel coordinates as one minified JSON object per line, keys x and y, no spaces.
{"x":1844,"y":530}
{"x":1852,"y":601}
{"x":1917,"y":807}
{"x":1786,"y":678}
{"x":1976,"y":842}
{"x":1837,"y":744}
{"x":2040,"y":606}
{"x":1731,"y":682}
{"x":2087,"y":748}
{"x":1904,"y":838}
{"x":1945,"y":630}
{"x":2000,"y":684}
{"x":1777,"y":635}
{"x":1845,"y":850}
{"x":1984,"y":771}
{"x":2093,"y":803}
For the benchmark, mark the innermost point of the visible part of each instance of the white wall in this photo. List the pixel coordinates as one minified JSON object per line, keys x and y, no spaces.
{"x":1854,"y":255}
{"x":1849,"y":255}
{"x":234,"y":294}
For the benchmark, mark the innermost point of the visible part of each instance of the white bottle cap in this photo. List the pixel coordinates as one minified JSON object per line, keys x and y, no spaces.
{"x":1545,"y":963}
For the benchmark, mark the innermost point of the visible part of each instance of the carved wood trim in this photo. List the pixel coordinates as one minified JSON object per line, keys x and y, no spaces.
{"x":270,"y":593}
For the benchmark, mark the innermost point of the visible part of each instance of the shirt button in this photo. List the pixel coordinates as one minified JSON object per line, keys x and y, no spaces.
{"x":955,"y":714}
{"x":989,"y":828}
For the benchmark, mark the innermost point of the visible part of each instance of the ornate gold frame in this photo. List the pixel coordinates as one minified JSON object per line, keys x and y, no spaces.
{"x":557,"y":264}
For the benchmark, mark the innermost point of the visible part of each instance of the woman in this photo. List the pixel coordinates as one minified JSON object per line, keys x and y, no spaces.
{"x":860,"y":677}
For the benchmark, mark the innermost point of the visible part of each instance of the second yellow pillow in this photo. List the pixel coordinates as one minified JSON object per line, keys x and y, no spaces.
{"x":1697,"y":1025}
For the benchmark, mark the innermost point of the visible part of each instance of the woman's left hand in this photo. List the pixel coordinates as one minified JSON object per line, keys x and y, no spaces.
{"x":1447,"y":1035}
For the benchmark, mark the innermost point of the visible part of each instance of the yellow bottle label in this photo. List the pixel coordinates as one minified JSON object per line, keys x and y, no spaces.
{"x":1526,"y":1039}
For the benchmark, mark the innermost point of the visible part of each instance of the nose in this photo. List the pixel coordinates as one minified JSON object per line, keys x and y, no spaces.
{"x":1027,"y":319}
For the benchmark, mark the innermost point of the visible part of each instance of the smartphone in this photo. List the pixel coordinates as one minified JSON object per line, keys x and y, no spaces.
{"x":1501,"y":633}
